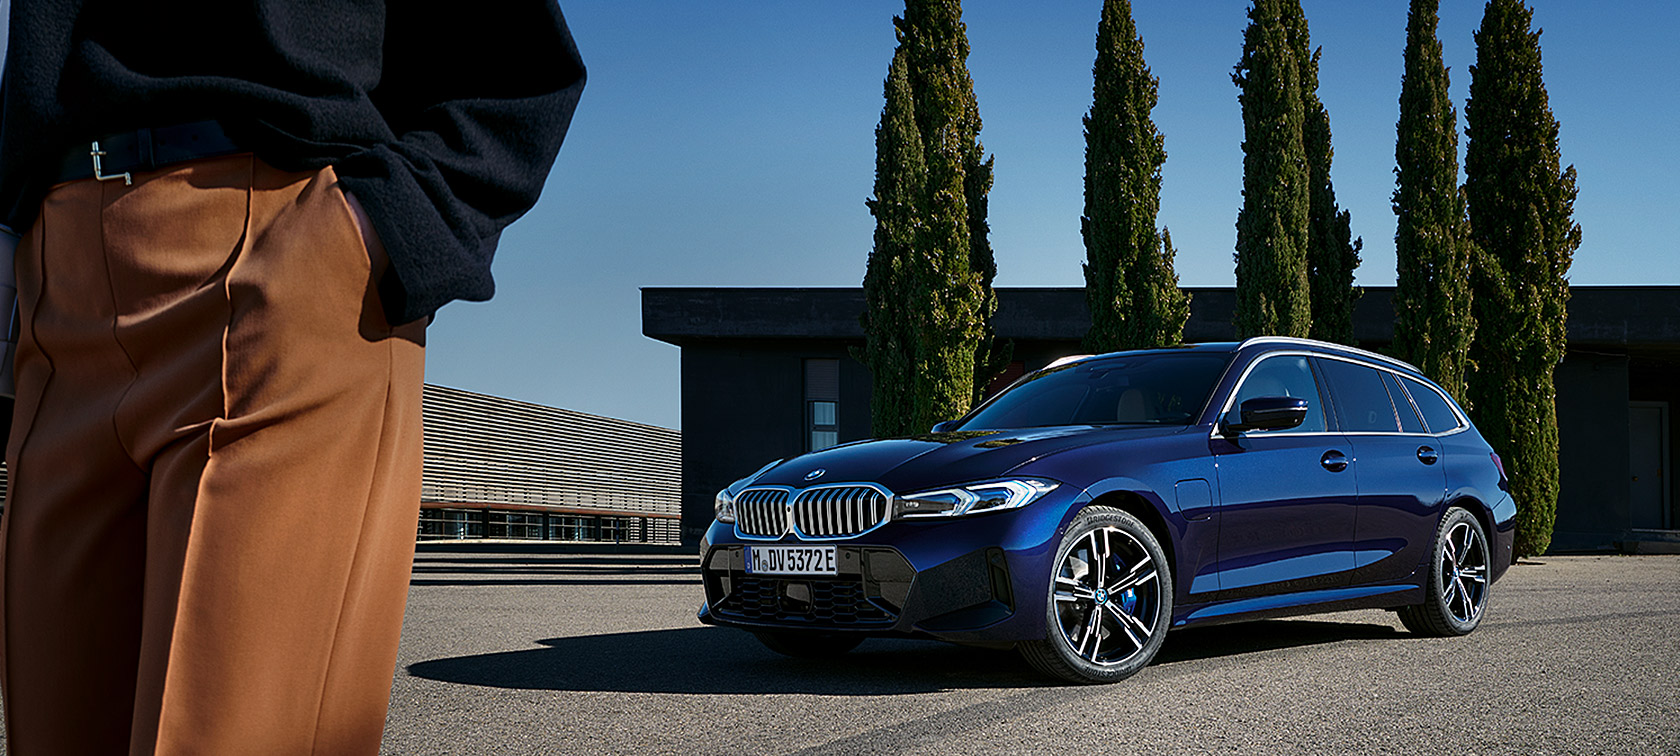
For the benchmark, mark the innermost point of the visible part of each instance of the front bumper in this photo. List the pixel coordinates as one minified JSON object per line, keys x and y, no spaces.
{"x":876,"y":590}
{"x":981,"y":579}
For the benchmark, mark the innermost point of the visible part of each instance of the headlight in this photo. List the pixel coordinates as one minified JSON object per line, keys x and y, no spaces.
{"x":972,"y":499}
{"x":724,"y":506}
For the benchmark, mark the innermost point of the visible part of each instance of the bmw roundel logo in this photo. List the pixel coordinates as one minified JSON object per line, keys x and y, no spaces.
{"x":814,"y":474}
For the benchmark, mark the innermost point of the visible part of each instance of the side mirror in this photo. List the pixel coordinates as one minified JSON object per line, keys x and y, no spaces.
{"x":944,"y":426}
{"x":1265,"y":413}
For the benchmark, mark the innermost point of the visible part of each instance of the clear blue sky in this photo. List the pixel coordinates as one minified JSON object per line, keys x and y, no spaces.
{"x":732,"y":144}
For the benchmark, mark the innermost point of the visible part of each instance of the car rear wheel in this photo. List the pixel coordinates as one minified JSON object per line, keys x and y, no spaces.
{"x":1110,"y":600}
{"x":1457,"y":589}
{"x":808,"y":644}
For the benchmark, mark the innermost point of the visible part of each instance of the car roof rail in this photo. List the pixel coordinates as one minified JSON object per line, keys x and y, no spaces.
{"x":1060,"y":361}
{"x":1329,"y":345}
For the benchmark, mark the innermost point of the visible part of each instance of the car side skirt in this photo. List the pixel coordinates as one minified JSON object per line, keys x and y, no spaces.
{"x":1293,"y":604}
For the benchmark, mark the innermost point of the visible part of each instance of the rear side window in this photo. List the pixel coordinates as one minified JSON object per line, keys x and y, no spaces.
{"x":1409,"y":422}
{"x":1360,"y":397}
{"x":1436,"y":412}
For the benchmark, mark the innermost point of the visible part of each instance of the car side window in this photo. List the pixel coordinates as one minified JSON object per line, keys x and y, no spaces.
{"x":1436,"y":412}
{"x":1362,"y":402}
{"x":1409,"y":422}
{"x":1288,"y":375}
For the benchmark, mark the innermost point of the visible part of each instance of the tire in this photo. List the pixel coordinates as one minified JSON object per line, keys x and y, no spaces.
{"x":808,"y":644}
{"x":1105,"y":617}
{"x":1456,"y":591}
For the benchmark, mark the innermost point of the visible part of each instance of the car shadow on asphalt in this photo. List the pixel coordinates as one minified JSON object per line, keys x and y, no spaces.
{"x":713,"y":661}
{"x":722,"y":661}
{"x":1196,"y":643}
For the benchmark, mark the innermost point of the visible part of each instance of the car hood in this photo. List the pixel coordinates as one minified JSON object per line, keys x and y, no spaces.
{"x":932,"y":460}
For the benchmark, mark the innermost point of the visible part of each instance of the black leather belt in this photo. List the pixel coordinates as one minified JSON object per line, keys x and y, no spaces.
{"x":117,"y":157}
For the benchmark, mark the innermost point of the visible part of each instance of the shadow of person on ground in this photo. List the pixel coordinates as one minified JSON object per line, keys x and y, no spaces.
{"x":724,"y":661}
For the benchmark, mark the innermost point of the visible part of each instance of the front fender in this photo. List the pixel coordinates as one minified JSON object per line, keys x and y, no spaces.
{"x":1191,"y":543}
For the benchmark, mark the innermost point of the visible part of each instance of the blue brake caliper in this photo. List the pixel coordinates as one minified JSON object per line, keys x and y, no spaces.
{"x":1128,"y":597}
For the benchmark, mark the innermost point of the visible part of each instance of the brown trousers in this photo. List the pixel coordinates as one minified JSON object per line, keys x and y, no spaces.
{"x":215,"y":471}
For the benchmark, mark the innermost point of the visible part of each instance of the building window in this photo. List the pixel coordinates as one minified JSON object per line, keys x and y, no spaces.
{"x":822,"y":404}
{"x":825,"y":431}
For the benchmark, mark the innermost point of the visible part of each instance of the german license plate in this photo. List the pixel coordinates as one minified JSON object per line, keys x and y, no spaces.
{"x":790,"y":560}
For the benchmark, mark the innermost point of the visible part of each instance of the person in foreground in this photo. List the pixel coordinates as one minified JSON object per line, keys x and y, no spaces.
{"x":237,"y":220}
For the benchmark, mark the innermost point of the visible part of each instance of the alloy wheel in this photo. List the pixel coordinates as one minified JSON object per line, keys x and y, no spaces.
{"x":1108,"y":596}
{"x":1463,"y":577}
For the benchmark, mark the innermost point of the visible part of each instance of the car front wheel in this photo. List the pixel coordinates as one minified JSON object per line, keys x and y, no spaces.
{"x":1110,"y":600}
{"x":1456,"y":592}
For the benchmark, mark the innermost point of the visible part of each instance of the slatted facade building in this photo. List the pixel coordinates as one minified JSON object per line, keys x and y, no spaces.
{"x":505,"y":469}
{"x":500,"y":468}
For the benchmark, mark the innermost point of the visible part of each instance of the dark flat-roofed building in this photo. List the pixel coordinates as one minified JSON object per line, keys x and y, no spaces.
{"x":767,"y":373}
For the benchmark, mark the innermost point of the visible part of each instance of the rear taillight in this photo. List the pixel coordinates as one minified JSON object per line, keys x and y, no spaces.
{"x":1499,"y":465}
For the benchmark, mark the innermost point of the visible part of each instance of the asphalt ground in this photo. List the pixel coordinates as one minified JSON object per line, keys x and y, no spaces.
{"x":524,"y":649}
{"x":512,"y":651}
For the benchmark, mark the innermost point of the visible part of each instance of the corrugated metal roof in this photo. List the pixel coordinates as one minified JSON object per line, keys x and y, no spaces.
{"x":487,"y":451}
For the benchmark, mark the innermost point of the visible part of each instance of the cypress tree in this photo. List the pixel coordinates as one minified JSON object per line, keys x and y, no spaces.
{"x":900,"y":179}
{"x":1520,"y":207}
{"x":945,"y":93}
{"x":1332,"y":253}
{"x":1129,"y":280}
{"x":1272,"y":290}
{"x":1433,"y":324}
{"x":926,"y":301}
{"x":990,"y":357}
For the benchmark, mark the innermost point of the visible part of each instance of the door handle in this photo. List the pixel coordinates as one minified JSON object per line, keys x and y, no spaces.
{"x":1427,"y":455}
{"x":1334,"y":461}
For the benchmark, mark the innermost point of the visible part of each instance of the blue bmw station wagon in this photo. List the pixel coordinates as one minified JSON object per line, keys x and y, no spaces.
{"x":1095,"y":504}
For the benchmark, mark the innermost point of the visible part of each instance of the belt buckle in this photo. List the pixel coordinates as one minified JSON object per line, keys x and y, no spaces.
{"x":99,"y":172}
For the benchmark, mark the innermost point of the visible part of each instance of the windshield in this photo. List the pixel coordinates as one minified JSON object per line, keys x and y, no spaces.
{"x":1135,"y":389}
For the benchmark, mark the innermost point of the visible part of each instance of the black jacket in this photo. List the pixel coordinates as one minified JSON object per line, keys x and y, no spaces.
{"x":443,"y":120}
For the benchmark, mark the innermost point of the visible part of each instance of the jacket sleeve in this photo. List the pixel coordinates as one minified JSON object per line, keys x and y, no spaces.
{"x":478,"y":103}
